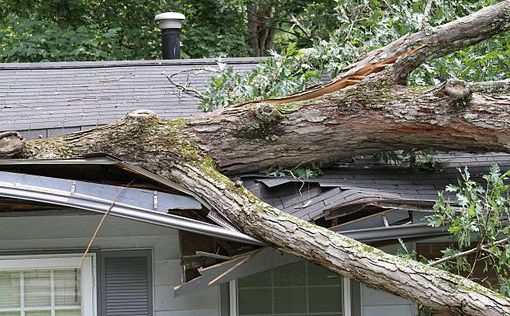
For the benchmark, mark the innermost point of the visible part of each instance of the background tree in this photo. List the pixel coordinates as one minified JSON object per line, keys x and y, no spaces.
{"x":339,"y":30}
{"x":361,"y":27}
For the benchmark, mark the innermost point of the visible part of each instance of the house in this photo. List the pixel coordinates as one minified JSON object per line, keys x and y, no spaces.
{"x":99,"y":236}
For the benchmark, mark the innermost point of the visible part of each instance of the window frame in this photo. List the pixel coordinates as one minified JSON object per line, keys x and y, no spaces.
{"x":234,"y":297}
{"x":60,"y":261}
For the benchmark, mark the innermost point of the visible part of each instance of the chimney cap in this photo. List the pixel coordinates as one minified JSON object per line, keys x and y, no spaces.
{"x":170,"y":20}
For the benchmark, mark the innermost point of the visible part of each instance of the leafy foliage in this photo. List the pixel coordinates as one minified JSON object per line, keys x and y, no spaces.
{"x":413,"y":158}
{"x":59,"y":30}
{"x":478,"y":220}
{"x":334,"y":32}
{"x":277,"y":76}
{"x":82,"y":43}
{"x":302,"y":172}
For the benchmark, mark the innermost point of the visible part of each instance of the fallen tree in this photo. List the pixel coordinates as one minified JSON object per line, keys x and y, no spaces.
{"x":365,"y":110}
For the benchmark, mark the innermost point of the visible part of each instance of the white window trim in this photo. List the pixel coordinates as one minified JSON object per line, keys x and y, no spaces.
{"x":347,"y":296}
{"x":61,"y":261}
{"x":234,"y":303}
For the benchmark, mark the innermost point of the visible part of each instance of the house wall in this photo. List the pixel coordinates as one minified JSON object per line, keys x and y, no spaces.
{"x":53,"y":232}
{"x":380,"y":303}
{"x":44,"y":233}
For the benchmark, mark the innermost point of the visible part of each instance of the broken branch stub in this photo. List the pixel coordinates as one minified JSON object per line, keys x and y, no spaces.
{"x":11,"y":144}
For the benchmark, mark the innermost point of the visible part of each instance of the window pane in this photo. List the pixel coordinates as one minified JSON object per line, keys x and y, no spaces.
{"x":37,"y":288}
{"x":291,"y":274}
{"x":255,"y":301}
{"x":290,"y":300}
{"x":9,"y":290}
{"x":297,"y":289}
{"x":38,"y":313}
{"x":318,"y":275}
{"x":68,"y":313}
{"x":325,"y":299}
{"x":9,"y":313}
{"x":67,"y":287}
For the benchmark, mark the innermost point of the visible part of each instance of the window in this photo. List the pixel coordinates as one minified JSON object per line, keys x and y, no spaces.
{"x":297,"y":289}
{"x":47,"y":286}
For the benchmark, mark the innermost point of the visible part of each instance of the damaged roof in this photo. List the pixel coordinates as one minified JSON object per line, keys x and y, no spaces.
{"x":352,"y":196}
{"x":117,"y":188}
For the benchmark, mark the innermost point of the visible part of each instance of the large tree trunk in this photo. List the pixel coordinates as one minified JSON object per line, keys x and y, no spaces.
{"x":365,"y":110}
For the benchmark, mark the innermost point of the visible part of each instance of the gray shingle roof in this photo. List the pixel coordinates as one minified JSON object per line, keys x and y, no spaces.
{"x":54,"y":98}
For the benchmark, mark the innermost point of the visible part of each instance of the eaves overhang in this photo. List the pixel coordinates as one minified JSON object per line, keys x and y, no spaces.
{"x":137,"y":204}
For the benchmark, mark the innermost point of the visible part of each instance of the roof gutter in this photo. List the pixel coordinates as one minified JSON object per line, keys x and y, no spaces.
{"x":23,"y":191}
{"x":394,"y":232}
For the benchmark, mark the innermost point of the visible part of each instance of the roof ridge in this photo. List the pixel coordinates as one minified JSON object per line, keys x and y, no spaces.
{"x":126,"y":63}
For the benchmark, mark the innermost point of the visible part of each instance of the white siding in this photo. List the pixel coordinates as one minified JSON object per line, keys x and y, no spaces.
{"x":40,"y":233}
{"x":380,"y":303}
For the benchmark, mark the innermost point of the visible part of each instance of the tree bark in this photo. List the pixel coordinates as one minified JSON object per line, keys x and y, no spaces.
{"x":363,"y":111}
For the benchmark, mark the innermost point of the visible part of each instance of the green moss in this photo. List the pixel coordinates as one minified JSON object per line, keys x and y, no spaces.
{"x":264,"y":125}
{"x":288,"y":108}
{"x":419,"y":89}
{"x":49,"y":148}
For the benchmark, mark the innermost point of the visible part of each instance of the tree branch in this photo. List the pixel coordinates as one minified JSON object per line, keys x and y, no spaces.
{"x":181,"y":151}
{"x":366,"y":118}
{"x":467,"y":252}
{"x":448,"y":38}
{"x":185,"y":87}
{"x":492,"y":87}
{"x":410,"y":51}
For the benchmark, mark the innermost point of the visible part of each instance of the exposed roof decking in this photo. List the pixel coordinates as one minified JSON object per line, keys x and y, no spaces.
{"x":53,"y":98}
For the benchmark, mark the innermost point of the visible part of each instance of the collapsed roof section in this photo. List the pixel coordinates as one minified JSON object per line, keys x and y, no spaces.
{"x":367,"y":194}
{"x":104,"y":184}
{"x":366,"y":200}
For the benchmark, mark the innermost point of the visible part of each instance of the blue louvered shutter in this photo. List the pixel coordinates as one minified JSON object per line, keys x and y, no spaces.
{"x":127,"y":284}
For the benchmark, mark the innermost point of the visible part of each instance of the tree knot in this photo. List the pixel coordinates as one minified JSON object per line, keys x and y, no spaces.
{"x":11,"y":144}
{"x":141,"y":117}
{"x":456,"y":90}
{"x":265,"y":123}
{"x":267,"y":113}
{"x":142,"y":114}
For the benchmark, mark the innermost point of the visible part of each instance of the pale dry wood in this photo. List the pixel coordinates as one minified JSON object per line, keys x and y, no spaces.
{"x":11,"y":143}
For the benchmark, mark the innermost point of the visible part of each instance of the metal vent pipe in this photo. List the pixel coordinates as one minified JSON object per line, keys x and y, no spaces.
{"x":170,"y":24}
